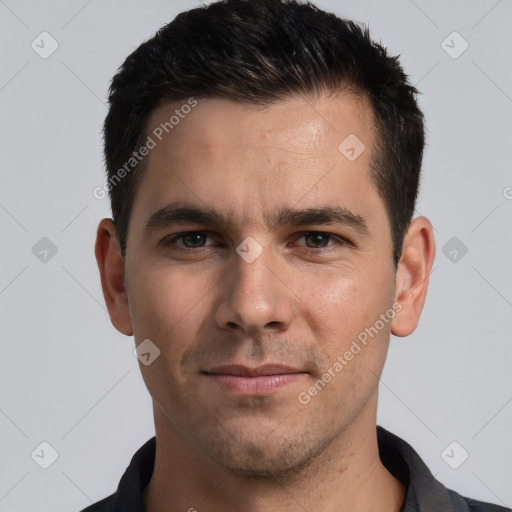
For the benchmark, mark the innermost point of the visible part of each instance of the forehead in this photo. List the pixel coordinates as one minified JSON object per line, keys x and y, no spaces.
{"x":297,"y":125}
{"x":297,"y":152}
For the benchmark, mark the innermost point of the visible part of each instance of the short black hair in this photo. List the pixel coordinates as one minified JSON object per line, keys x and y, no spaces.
{"x":262,"y":52}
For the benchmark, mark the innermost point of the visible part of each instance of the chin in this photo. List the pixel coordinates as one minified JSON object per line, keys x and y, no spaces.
{"x":272,"y":456}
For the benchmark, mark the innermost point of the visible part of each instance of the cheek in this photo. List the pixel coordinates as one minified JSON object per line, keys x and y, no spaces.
{"x":167,"y":313}
{"x":164,"y":308}
{"x":343,"y":302}
{"x":339,"y":309}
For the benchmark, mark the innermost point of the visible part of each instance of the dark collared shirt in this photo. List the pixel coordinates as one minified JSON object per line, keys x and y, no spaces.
{"x":424,"y":492}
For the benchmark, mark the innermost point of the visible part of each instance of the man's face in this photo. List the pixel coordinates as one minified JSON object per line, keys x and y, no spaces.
{"x":314,"y":270}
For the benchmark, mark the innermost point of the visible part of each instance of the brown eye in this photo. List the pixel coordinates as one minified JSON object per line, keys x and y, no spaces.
{"x":193,"y":240}
{"x":188,"y":240}
{"x":317,"y":240}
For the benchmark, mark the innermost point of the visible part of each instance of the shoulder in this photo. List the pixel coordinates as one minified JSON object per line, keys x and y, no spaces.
{"x":424,"y":492}
{"x":464,"y":504}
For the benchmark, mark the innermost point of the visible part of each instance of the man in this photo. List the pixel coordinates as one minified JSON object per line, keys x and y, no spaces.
{"x":263,"y":165}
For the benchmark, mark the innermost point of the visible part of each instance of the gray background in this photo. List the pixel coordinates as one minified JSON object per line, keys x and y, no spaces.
{"x":68,"y":378}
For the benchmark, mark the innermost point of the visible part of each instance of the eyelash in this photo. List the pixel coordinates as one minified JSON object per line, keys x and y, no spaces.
{"x":170,"y":241}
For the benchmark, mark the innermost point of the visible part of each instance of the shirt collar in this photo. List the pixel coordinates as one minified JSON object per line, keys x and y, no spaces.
{"x":424,"y":492}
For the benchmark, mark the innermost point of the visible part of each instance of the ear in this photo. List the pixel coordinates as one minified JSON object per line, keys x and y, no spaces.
{"x":414,"y":267}
{"x":111,"y":267}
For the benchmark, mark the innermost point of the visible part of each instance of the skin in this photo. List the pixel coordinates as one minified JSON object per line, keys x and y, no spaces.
{"x":298,"y":304}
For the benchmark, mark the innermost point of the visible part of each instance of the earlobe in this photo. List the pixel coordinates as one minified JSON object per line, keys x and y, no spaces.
{"x":111,"y":267}
{"x":414,"y":268}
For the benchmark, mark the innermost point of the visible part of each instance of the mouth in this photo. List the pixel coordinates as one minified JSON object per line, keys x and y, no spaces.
{"x":261,"y":380}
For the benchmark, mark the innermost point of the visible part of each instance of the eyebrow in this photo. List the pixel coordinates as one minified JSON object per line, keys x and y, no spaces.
{"x":175,"y":213}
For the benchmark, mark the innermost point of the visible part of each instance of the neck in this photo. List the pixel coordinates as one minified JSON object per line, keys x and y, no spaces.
{"x":347,"y":476}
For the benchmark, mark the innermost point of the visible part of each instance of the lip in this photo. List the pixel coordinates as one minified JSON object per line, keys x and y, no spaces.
{"x":262,"y":380}
{"x":267,"y":369}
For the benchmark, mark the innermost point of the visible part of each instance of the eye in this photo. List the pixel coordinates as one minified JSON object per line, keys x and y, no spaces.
{"x":318,"y":240}
{"x":188,"y":239}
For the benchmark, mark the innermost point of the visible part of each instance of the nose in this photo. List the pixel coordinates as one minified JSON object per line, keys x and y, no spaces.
{"x":254,"y":298}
